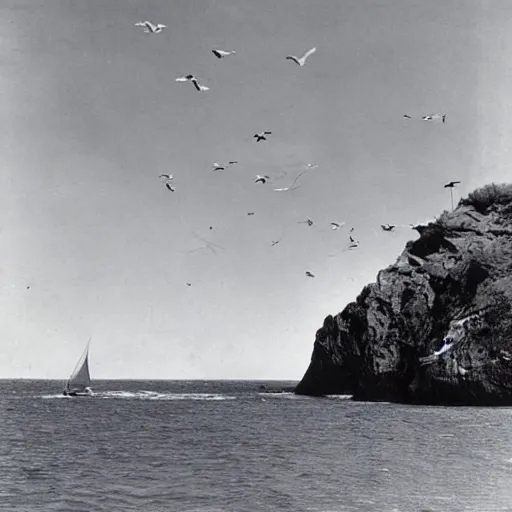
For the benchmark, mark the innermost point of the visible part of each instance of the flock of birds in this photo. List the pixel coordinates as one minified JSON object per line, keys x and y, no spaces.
{"x":262,"y":136}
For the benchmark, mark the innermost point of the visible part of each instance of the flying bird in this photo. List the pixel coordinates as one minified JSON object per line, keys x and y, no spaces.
{"x":194,"y":80}
{"x":261,"y":179}
{"x":261,"y":136}
{"x":274,"y":242}
{"x":250,"y":213}
{"x":434,"y":355}
{"x":291,"y":187}
{"x":150,"y":27}
{"x":302,"y":60}
{"x":337,"y":225}
{"x":407,"y":117}
{"x":353,"y":243}
{"x":221,"y":53}
{"x":167,"y":179}
{"x":387,"y":227}
{"x":427,"y":118}
{"x":444,"y":118}
{"x":189,"y":284}
{"x":451,"y":184}
{"x":309,"y":274}
{"x":223,"y":167}
{"x":309,"y":222}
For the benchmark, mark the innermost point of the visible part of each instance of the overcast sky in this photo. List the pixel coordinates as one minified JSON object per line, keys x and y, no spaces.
{"x":92,"y":116}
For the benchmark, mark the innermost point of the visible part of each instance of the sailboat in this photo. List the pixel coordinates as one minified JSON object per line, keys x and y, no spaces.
{"x":79,"y":382}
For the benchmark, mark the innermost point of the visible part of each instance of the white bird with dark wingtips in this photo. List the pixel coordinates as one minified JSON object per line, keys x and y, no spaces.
{"x":223,"y":167}
{"x":337,"y":225}
{"x":261,"y":136}
{"x":261,"y":179}
{"x":302,"y":60}
{"x":387,"y":227}
{"x":194,"y":80}
{"x":150,"y":27}
{"x":222,"y":53}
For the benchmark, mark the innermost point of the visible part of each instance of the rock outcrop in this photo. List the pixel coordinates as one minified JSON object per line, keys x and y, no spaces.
{"x":436,"y":327}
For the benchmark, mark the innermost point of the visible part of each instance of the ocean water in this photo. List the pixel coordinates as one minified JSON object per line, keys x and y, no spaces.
{"x":198,"y":446}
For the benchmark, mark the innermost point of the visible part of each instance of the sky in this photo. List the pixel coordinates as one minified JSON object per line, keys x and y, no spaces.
{"x":93,"y":244}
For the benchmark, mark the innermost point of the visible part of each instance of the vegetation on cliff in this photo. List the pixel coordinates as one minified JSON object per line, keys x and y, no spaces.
{"x":436,"y":327}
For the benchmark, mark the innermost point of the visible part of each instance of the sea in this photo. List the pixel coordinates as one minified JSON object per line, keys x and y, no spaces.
{"x":228,"y":446}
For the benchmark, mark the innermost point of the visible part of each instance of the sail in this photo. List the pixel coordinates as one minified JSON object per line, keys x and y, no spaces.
{"x":80,"y":378}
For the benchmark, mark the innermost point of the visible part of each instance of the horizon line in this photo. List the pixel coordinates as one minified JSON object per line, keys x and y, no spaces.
{"x":155,"y":379}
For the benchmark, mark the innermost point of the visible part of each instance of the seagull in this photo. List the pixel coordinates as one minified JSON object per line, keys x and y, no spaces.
{"x":221,"y":53}
{"x":167,"y":179}
{"x":407,"y":117}
{"x":387,"y":227}
{"x":189,"y":284}
{"x":427,"y":118}
{"x":353,"y":243}
{"x":223,"y":167}
{"x":291,"y":187}
{"x":274,"y":242}
{"x":150,"y":28}
{"x":312,"y":166}
{"x":261,"y":136}
{"x":261,"y":179}
{"x":309,"y":222}
{"x":250,"y":213}
{"x":451,"y":184}
{"x":434,"y":355}
{"x":337,"y":225}
{"x":194,"y":80}
{"x":309,"y":274}
{"x":302,"y":60}
{"x":444,"y":118}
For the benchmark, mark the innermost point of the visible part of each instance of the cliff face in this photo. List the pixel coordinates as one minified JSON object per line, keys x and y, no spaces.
{"x":450,"y":291}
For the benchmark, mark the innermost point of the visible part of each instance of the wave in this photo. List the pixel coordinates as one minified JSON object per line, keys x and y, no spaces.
{"x":149,"y":395}
{"x":340,"y":397}
{"x":279,"y":394}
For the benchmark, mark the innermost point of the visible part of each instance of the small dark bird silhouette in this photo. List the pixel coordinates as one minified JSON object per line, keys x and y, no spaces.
{"x":387,"y":227}
{"x":189,"y":284}
{"x":444,"y":118}
{"x":407,"y":117}
{"x":261,"y":136}
{"x":309,"y":274}
{"x":309,"y":222}
{"x":250,"y":213}
{"x":211,"y":227}
{"x":223,"y":167}
{"x":261,"y":179}
{"x":275,"y":242}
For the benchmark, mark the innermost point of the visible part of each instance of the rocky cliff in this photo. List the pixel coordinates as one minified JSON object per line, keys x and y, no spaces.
{"x":436,"y":327}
